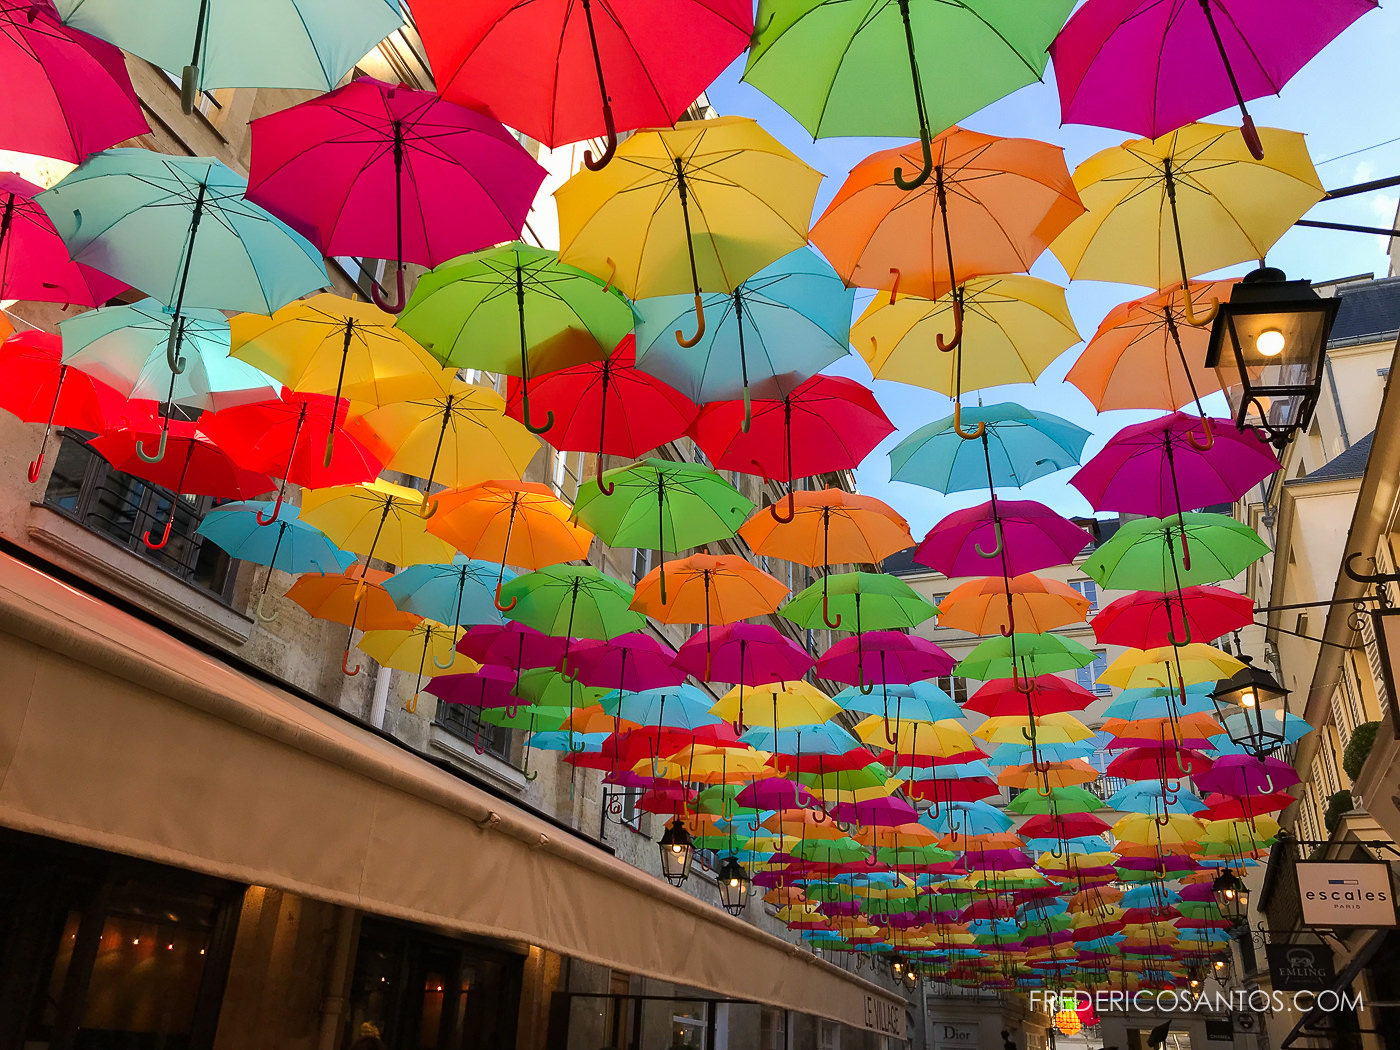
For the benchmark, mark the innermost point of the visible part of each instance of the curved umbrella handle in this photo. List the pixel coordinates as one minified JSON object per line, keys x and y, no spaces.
{"x":892,"y":741}
{"x":345,"y":665}
{"x":1251,"y":138}
{"x":894,"y":291}
{"x":700,"y":320}
{"x":429,"y":508}
{"x":602,"y":162}
{"x":262,"y":613}
{"x":1056,"y":851}
{"x":612,"y":274}
{"x":36,"y":466}
{"x":172,"y":348}
{"x":1190,"y":313}
{"x":826,"y":614}
{"x":395,"y":307}
{"x":1164,"y":820}
{"x":160,"y":448}
{"x":530,"y":424}
{"x":1171,"y":632}
{"x":1025,"y":732}
{"x":956,"y":341}
{"x":997,"y":548}
{"x":1046,"y":793}
{"x":922,"y":176}
{"x":443,"y":666}
{"x":1028,"y":689}
{"x":164,"y":536}
{"x":1209,"y":441}
{"x":1169,"y":789}
{"x":497,"y":600}
{"x":531,"y":775}
{"x":865,"y":690}
{"x":1185,"y":550}
{"x":967,"y":435}
{"x":607,"y":488}
{"x":276,"y":508}
{"x":791,"y":511}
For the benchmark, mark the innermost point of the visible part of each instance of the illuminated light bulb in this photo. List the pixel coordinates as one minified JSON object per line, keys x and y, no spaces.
{"x":136,"y":940}
{"x":1270,"y":342}
{"x":1247,"y":698}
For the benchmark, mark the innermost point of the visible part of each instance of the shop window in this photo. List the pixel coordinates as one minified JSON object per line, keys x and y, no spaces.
{"x":121,"y":507}
{"x":641,"y":565}
{"x":464,"y":722}
{"x":772,"y":1029}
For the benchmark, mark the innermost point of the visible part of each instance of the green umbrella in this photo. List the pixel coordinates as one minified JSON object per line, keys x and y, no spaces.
{"x":830,"y":851}
{"x":1023,"y":657}
{"x":546,"y":687}
{"x":572,"y":601}
{"x":1147,"y":554}
{"x":1060,"y":800}
{"x":913,"y":856}
{"x":871,"y":601}
{"x":517,"y":310}
{"x":897,"y":67}
{"x":873,"y":775}
{"x":719,"y":800}
{"x":663,"y":505}
{"x":530,"y":719}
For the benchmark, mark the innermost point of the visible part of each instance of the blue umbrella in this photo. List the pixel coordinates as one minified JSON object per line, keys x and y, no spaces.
{"x":1017,"y":447}
{"x":558,"y":740}
{"x":1160,"y":702}
{"x":294,"y":546}
{"x":783,"y":325}
{"x":953,"y":771}
{"x":462,"y":592}
{"x":967,"y":818}
{"x":820,"y":739}
{"x":919,"y":702}
{"x":235,"y":43}
{"x":1149,"y":798}
{"x":1019,"y":754}
{"x":1080,"y":844}
{"x":681,"y":706}
{"x":1152,"y":895}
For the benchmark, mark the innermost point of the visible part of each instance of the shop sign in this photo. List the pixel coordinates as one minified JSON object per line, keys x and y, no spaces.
{"x":1354,"y":893}
{"x":884,"y":1016}
{"x":1300,"y":967}
{"x":956,"y":1036}
{"x":1218,"y":1031}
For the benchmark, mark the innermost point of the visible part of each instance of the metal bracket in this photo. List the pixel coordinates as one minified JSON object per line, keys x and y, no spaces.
{"x":1378,"y":578}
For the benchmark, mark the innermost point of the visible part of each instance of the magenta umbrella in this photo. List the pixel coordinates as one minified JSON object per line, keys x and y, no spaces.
{"x":34,"y":261}
{"x":67,"y":93}
{"x":744,"y":654}
{"x":630,"y":662}
{"x":775,"y":793}
{"x":1029,"y":536}
{"x":490,"y":687}
{"x":884,"y":657}
{"x":1245,"y":775}
{"x":387,"y":172}
{"x":513,"y":644}
{"x":1152,"y":66}
{"x":1162,"y":468}
{"x":888,"y":812}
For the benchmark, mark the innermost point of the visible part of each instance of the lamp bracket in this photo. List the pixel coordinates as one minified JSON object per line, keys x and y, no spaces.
{"x":1378,"y":578}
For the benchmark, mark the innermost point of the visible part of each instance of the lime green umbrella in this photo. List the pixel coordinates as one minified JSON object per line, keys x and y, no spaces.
{"x":518,"y":310}
{"x":1060,"y":800}
{"x":897,"y":67}
{"x":525,"y":717}
{"x":546,"y":687}
{"x":871,"y":601}
{"x":1149,"y":554}
{"x":718,"y":799}
{"x":873,"y":775}
{"x":830,"y":851}
{"x":913,"y":856}
{"x":663,"y":505}
{"x":572,"y":601}
{"x":1024,"y":656}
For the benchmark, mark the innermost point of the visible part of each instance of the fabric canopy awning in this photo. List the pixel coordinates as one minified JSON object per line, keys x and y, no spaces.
{"x":116,"y":735}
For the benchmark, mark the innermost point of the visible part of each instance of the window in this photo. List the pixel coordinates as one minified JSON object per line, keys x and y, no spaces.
{"x":1090,"y":590}
{"x":567,"y":467}
{"x":1088,"y":677}
{"x":641,"y":565}
{"x":464,"y":721}
{"x":772,"y":1029}
{"x":123,"y":508}
{"x":954,"y":687}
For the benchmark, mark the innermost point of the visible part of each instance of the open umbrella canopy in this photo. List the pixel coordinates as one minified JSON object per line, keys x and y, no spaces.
{"x":511,"y":522}
{"x":829,"y":526}
{"x":662,"y":505}
{"x":291,"y":546}
{"x":1020,"y":446}
{"x":195,"y":465}
{"x":1025,"y":656}
{"x":357,"y":599}
{"x":1147,"y":553}
{"x":626,"y":662}
{"x":572,"y":601}
{"x":1030,"y":536}
{"x":708,"y":589}
{"x":34,"y":262}
{"x":376,"y":519}
{"x":461,"y":591}
{"x":917,"y":701}
{"x":777,"y":705}
{"x":427,"y":645}
{"x":751,"y":654}
{"x":1048,"y":694}
{"x":859,"y":601}
{"x":678,"y":706}
{"x":1147,"y":619}
{"x":995,"y":604}
{"x":884,"y":657}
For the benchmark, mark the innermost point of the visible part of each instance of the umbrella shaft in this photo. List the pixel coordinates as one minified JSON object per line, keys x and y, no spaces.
{"x":685,"y":216}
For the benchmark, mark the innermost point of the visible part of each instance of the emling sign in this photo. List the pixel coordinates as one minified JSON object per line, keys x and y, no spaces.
{"x":1346,"y":894}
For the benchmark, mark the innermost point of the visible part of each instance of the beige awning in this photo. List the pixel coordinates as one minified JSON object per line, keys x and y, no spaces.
{"x":116,"y":735}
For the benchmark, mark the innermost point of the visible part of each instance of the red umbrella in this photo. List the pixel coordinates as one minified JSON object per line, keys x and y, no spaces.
{"x":1050,"y":694}
{"x":825,"y":423}
{"x":963,"y":789}
{"x":564,"y":70}
{"x":1148,"y":620}
{"x":34,"y":261}
{"x":1158,"y":763}
{"x":195,"y":466}
{"x":40,"y":388}
{"x":69,"y":93}
{"x":385,"y":171}
{"x":1062,"y":826}
{"x":282,"y":438}
{"x":610,"y":407}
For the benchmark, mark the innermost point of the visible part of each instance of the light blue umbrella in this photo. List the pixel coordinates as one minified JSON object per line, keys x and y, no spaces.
{"x":823,"y":738}
{"x":294,"y":546}
{"x":241,"y":43}
{"x":1019,"y":754}
{"x":967,"y":818}
{"x":783,"y":325}
{"x":179,"y":229}
{"x":1148,"y":798}
{"x":681,"y":706}
{"x":462,"y":592}
{"x":1018,"y":447}
{"x":1152,"y":895}
{"x":1160,"y":702}
{"x":953,"y":771}
{"x":125,"y":347}
{"x":559,"y":740}
{"x":920,"y":702}
{"x":1080,"y":844}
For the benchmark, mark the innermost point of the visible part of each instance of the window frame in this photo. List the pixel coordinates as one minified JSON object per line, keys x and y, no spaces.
{"x":496,"y":741}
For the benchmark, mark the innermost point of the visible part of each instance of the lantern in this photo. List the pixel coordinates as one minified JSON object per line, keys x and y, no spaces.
{"x":677,"y":851}
{"x":734,"y":885}
{"x":1253,"y":707}
{"x":1232,"y":896}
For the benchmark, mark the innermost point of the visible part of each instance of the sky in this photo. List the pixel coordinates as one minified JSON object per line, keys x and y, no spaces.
{"x":1345,"y":100}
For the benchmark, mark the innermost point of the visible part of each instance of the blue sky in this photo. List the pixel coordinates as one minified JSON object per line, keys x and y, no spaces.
{"x":1344,"y":100}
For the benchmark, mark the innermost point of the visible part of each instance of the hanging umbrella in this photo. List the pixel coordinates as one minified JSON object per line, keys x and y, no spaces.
{"x":43,"y":389}
{"x":864,"y":601}
{"x":572,"y":601}
{"x":708,"y":589}
{"x":1246,"y":775}
{"x":1017,"y":446}
{"x":460,"y":437}
{"x":516,"y":310}
{"x":1048,"y":694}
{"x":328,"y":344}
{"x":628,"y":662}
{"x":458,"y":181}
{"x":1150,"y":68}
{"x":645,"y":412}
{"x":778,"y":705}
{"x":824,"y":424}
{"x":884,"y":657}
{"x":34,"y":262}
{"x":376,"y":518}
{"x":179,"y":229}
{"x":782,"y":325}
{"x":917,"y":701}
{"x":1162,"y":211}
{"x":994,"y":604}
{"x":1147,"y":619}
{"x":1058,"y":728}
{"x":562,"y":71}
{"x":1023,"y":656}
{"x":357,"y":600}
{"x":514,"y":645}
{"x":198,"y":467}
{"x":743,"y":654}
{"x":267,"y":436}
{"x":674,"y":706}
{"x":459,"y":592}
{"x":829,"y":526}
{"x":696,"y":208}
{"x":293,"y":546}
{"x":487,"y":687}
{"x":288,"y":44}
{"x":663,"y":505}
{"x":410,"y":650}
{"x":1030,"y":534}
{"x":1142,"y":554}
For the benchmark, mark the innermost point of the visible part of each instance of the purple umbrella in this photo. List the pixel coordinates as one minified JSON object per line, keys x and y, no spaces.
{"x":743,"y":654}
{"x":490,"y":687}
{"x":888,"y":812}
{"x":775,"y":793}
{"x":1245,"y":775}
{"x":1028,"y":536}
{"x":1152,"y":66}
{"x":387,"y":172}
{"x":629,"y":663}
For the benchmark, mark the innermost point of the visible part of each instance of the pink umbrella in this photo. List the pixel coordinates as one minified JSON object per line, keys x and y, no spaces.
{"x":513,"y":644}
{"x":1030,"y":534}
{"x":630,"y":662}
{"x":68,"y":94}
{"x":775,"y":793}
{"x":1150,"y":67}
{"x":1241,"y":775}
{"x":884,"y":657}
{"x":383,"y":171}
{"x":744,"y":654}
{"x":490,"y":687}
{"x":34,"y":261}
{"x":888,"y":812}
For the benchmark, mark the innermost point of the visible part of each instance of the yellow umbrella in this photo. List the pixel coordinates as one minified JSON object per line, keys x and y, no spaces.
{"x":1161,"y":211}
{"x":411,"y":650}
{"x":1170,"y":666}
{"x":1237,"y":833}
{"x":721,"y":765}
{"x":460,"y":437}
{"x":699,"y":207}
{"x":788,"y":704}
{"x":925,"y":739}
{"x":1056,"y":728}
{"x":1176,"y":829}
{"x":376,"y":518}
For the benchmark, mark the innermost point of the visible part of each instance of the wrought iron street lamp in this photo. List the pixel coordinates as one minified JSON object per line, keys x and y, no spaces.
{"x":1267,"y":346}
{"x":1232,"y":896}
{"x":734,"y":885}
{"x":677,"y":851}
{"x":1253,"y":707}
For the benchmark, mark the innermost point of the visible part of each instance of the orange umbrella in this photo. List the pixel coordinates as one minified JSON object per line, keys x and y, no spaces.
{"x":1145,"y":354}
{"x":829,"y":526}
{"x":708,"y":589}
{"x":511,"y":522}
{"x":1036,"y":605}
{"x":358,"y":601}
{"x":1048,"y":774}
{"x":805,"y":823}
{"x":999,"y":202}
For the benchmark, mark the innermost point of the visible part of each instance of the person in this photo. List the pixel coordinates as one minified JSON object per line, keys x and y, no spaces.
{"x":1006,"y":1043}
{"x":368,"y":1038}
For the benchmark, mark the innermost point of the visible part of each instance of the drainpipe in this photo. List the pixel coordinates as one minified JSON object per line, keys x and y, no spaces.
{"x":379,"y":702}
{"x":337,"y":981}
{"x":1337,"y":402}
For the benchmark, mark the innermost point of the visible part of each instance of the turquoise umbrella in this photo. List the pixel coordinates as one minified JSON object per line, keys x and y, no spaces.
{"x":783,"y":325}
{"x":294,"y":546}
{"x":179,"y":229}
{"x":460,"y":592}
{"x":920,"y":702}
{"x":674,"y":706}
{"x":968,"y":818}
{"x":1161,"y":702}
{"x":1151,"y":798}
{"x":240,"y":43}
{"x":824,"y":738}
